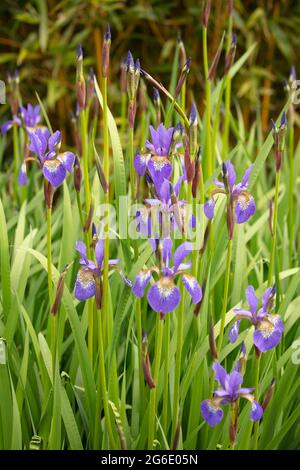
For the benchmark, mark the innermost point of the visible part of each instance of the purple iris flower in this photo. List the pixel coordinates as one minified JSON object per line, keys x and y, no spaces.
{"x":164,"y":295}
{"x":167,"y":203}
{"x":31,"y":117}
{"x":268,"y":326}
{"x":46,"y":147}
{"x":88,"y":282}
{"x":239,"y":196}
{"x":157,"y":160}
{"x":229,"y":392}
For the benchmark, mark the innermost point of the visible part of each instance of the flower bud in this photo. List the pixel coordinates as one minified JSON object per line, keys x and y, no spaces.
{"x":231,"y":54}
{"x":197,"y":174}
{"x":80,"y":81}
{"x":193,"y":137}
{"x":182,"y":53}
{"x":212,"y":342}
{"x":123,"y":77}
{"x":77,"y":175}
{"x":215,"y":62}
{"x":189,"y":165}
{"x":105,"y":51}
{"x":279,"y":134}
{"x":146,"y":361}
{"x":130,"y":77}
{"x":157,"y":103}
{"x":230,"y":221}
{"x":206,"y":12}
{"x":184,"y":72}
{"x":48,"y":193}
{"x":89,"y":218}
{"x":100,"y":172}
{"x":59,"y":291}
{"x":269,"y":395}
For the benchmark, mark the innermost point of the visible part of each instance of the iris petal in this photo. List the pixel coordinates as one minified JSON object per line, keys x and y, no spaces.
{"x":164,"y":296}
{"x":54,"y":172}
{"x":85,"y":286}
{"x":211,"y":413}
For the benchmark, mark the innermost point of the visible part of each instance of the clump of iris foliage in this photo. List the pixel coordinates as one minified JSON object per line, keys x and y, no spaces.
{"x":183,"y":336}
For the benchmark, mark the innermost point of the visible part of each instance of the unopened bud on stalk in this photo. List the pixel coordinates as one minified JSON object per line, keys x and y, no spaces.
{"x":241,"y":364}
{"x":189,"y":165}
{"x":206,"y":12}
{"x":193,"y":137}
{"x":142,"y":97}
{"x":100,"y":171}
{"x":177,"y":137}
{"x":182,"y":53}
{"x":230,"y":7}
{"x":212,"y":342}
{"x":77,"y":175}
{"x":271,"y":216}
{"x":123,"y":77}
{"x":269,"y":395}
{"x":80,"y":81}
{"x":215,"y":62}
{"x":279,"y":134}
{"x":131,"y":88}
{"x":89,"y":218}
{"x":48,"y":193}
{"x":157,"y":103}
{"x":231,"y":54}
{"x":105,"y":51}
{"x":230,"y":220}
{"x":99,"y":290}
{"x":59,"y":291}
{"x":91,"y":86}
{"x":196,"y":179}
{"x":146,"y":361}
{"x":184,"y":72}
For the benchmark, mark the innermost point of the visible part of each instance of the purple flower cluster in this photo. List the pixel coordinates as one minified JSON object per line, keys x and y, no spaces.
{"x":268,"y":327}
{"x":229,"y":393}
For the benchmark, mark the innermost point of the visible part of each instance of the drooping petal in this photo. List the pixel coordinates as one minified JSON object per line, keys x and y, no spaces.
{"x":245,"y":391}
{"x":160,"y":168}
{"x":243,"y":314}
{"x":220,"y":374}
{"x":256,"y":411}
{"x":181,"y":252}
{"x":99,"y":252}
{"x":81,"y":248}
{"x":6,"y":126}
{"x":22,"y":178}
{"x":164,"y":296}
{"x":193,"y":288}
{"x":211,"y":413}
{"x":230,"y":174}
{"x":277,"y":322}
{"x":141,"y":281}
{"x":209,"y":208}
{"x":234,"y":331}
{"x":245,"y":207}
{"x":140,"y":162}
{"x":68,"y":159}
{"x":154,"y":136}
{"x":54,"y":172}
{"x":266,"y":336}
{"x":85,"y":286}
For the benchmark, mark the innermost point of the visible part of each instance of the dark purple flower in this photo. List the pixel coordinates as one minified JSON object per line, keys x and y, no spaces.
{"x":46,"y":147}
{"x":164,"y":295}
{"x":268,"y":326}
{"x":229,"y":392}
{"x":243,"y":201}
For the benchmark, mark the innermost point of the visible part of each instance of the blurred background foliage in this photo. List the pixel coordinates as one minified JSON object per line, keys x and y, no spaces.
{"x":40,"y":38}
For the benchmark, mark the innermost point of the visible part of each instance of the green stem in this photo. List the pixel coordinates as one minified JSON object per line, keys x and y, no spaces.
{"x":256,"y":395}
{"x":123,"y":116}
{"x":291,"y":193}
{"x":139,"y":341}
{"x":84,"y":142}
{"x":225,"y":296}
{"x":209,"y":167}
{"x":227,"y":98}
{"x":166,"y":354}
{"x":131,"y":157}
{"x":16,"y":155}
{"x":275,"y":216}
{"x":78,"y":199}
{"x":178,"y":362}
{"x":217,"y":120}
{"x":102,"y":391}
{"x":152,"y":404}
{"x":50,"y":287}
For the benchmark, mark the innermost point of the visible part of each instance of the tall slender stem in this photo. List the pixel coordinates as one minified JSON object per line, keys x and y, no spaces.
{"x":225,"y":296}
{"x":256,"y":395}
{"x":153,"y":404}
{"x":131,"y":157}
{"x":209,"y":168}
{"x":227,"y":97}
{"x":102,"y":391}
{"x":291,"y":190}
{"x":50,"y":287}
{"x":275,"y":216}
{"x":16,"y":152}
{"x":178,"y":362}
{"x":139,"y":341}
{"x":166,"y":374}
{"x":84,"y":141}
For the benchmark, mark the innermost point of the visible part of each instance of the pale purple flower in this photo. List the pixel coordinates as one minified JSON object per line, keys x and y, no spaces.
{"x":243,"y":201}
{"x":229,"y":392}
{"x":30,"y":116}
{"x":268,"y":326}
{"x":164,"y":295}
{"x":46,"y":147}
